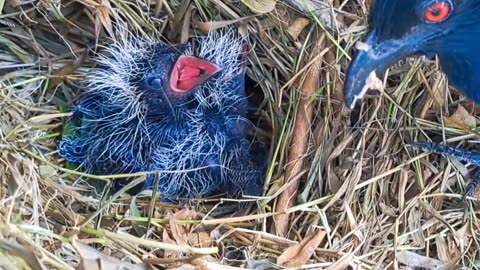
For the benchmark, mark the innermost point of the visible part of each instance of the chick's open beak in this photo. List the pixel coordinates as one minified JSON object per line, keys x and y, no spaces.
{"x":190,"y":71}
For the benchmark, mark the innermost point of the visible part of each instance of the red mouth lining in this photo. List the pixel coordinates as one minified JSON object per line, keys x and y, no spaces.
{"x":189,"y":72}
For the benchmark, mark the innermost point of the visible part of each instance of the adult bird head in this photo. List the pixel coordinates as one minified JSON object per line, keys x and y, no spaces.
{"x":404,"y":28}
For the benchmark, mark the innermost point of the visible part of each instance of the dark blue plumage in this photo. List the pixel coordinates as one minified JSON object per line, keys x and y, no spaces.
{"x":404,"y":28}
{"x":173,"y":109}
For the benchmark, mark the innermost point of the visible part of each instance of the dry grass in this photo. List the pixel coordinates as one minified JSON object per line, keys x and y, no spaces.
{"x":365,"y":200}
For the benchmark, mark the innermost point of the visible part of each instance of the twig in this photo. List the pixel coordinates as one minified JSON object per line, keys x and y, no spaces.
{"x":299,"y":145}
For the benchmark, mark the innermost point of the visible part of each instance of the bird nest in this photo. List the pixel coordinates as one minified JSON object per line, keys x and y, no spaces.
{"x":342,"y":189}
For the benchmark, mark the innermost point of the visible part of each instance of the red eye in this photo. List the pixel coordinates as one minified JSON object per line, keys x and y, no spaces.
{"x":438,"y":12}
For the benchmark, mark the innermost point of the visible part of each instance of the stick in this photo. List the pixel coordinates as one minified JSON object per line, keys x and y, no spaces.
{"x":299,"y":145}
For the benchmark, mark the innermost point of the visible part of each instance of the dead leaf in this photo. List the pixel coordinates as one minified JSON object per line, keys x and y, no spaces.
{"x":297,"y":27}
{"x":415,"y":260}
{"x":339,"y":149}
{"x":442,"y":248}
{"x":466,"y":117}
{"x":168,"y":254}
{"x":58,"y":74}
{"x":180,"y":232}
{"x":260,"y":6}
{"x":452,"y":264}
{"x":185,"y":214}
{"x":70,"y":190}
{"x":461,"y":119}
{"x":103,"y":15}
{"x":342,"y":263}
{"x":181,"y":22}
{"x":207,"y":27}
{"x":388,"y":209}
{"x":333,"y":181}
{"x":437,"y":92}
{"x":300,"y":253}
{"x":46,"y":171}
{"x":465,"y":232}
{"x":92,"y":259}
{"x":14,"y":172}
{"x":185,"y":33}
{"x":418,"y":236}
{"x":200,"y":239}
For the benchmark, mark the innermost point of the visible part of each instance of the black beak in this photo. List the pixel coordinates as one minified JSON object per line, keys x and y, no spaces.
{"x":371,"y":59}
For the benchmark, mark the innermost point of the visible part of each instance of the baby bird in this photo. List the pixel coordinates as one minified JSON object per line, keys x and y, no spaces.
{"x":177,"y":110}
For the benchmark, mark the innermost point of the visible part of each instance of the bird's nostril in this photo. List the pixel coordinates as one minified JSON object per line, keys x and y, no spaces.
{"x":203,"y":73}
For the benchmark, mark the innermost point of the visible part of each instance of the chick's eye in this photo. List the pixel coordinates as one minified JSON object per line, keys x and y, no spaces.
{"x":154,"y":82}
{"x":438,"y":12}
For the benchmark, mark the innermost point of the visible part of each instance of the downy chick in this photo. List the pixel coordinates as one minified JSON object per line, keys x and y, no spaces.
{"x":173,"y":109}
